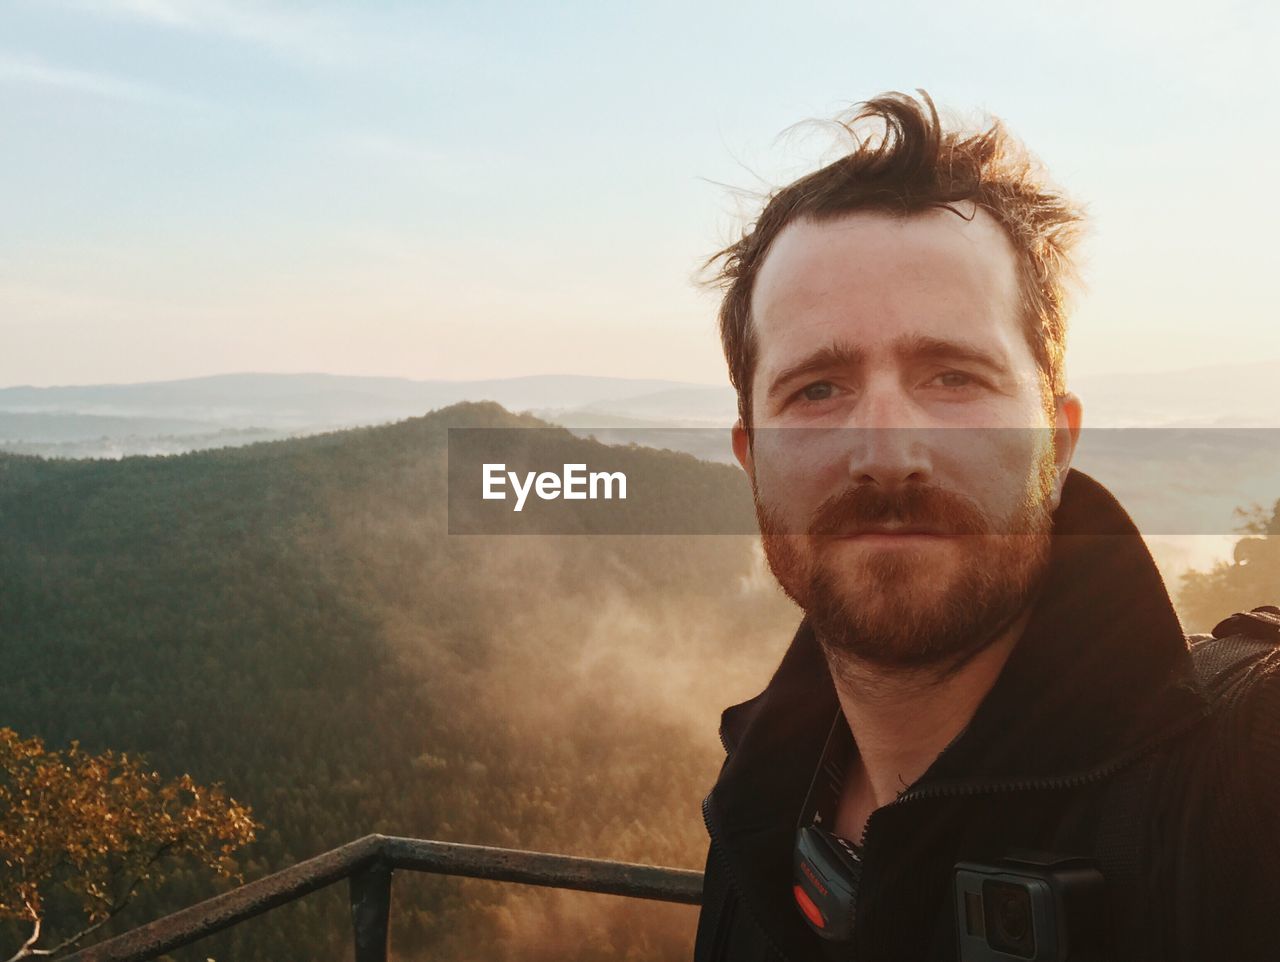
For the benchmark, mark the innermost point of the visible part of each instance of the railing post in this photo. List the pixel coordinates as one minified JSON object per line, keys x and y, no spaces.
{"x":371,"y":910}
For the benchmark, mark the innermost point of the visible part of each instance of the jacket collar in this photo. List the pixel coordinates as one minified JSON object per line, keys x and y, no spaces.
{"x":1101,"y":668}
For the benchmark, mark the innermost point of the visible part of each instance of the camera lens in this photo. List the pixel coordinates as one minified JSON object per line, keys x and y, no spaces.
{"x":1013,"y":917}
{"x":1009,"y":921}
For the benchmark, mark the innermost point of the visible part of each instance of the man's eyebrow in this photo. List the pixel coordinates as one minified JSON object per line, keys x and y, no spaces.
{"x":927,"y":347}
{"x":823,"y":359}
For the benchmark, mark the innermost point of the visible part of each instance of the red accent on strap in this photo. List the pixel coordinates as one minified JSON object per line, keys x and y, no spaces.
{"x":811,"y":911}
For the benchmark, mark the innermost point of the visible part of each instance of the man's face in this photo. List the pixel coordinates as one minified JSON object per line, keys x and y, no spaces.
{"x":894,"y":387}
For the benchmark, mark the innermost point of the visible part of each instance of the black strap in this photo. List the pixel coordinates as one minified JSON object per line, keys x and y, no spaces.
{"x":1217,"y":658}
{"x":1218,"y":661}
{"x":1260,"y":622}
{"x":1119,"y":846}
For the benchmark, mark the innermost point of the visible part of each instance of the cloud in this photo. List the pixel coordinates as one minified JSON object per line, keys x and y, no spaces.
{"x":30,"y":70}
{"x":311,"y":37}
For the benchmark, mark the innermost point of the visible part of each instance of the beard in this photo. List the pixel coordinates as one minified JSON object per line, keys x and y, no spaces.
{"x":914,"y":607}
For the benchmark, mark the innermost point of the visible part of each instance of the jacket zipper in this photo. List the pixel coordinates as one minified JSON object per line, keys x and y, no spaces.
{"x":734,"y":882}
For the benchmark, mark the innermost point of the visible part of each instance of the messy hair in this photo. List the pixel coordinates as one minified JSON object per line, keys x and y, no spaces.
{"x":908,"y":164}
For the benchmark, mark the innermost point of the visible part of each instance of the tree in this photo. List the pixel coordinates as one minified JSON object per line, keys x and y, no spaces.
{"x":1252,"y":578}
{"x":86,"y":832}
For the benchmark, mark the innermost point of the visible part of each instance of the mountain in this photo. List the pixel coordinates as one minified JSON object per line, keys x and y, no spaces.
{"x":1228,"y":408}
{"x":293,"y":619}
{"x":690,"y":405}
{"x":1243,"y":395}
{"x":290,"y":401}
{"x":169,"y":417}
{"x":68,"y":435}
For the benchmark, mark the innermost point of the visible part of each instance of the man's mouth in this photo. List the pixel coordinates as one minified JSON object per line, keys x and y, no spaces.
{"x":887,"y":533}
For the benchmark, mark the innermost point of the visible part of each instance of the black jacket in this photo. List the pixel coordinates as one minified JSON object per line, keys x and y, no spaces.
{"x":1100,"y":680}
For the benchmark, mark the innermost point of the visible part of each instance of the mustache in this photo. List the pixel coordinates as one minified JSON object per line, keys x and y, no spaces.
{"x":914,"y":505}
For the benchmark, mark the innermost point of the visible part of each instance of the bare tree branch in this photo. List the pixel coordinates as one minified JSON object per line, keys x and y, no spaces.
{"x":26,"y":948}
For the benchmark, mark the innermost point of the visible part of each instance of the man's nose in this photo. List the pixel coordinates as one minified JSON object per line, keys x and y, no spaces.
{"x":887,"y":442}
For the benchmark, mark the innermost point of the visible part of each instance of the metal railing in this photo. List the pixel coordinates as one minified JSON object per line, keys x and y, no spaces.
{"x":368,"y":864}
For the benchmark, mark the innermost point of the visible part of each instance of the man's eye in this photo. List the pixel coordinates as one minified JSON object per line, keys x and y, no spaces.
{"x":818,"y":391}
{"x":955,"y":379}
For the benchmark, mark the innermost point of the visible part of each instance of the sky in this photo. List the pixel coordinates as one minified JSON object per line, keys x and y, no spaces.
{"x":478,"y":190}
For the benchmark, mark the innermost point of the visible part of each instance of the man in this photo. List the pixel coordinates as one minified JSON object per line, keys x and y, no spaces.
{"x":989,"y":666}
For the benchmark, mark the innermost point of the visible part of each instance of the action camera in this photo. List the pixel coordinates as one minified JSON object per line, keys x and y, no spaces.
{"x":1030,"y":905}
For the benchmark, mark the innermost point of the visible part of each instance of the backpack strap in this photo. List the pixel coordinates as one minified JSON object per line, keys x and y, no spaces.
{"x":1260,"y":622}
{"x":1218,"y":659}
{"x":1237,"y":640}
{"x":1264,"y":619}
{"x":1119,"y":845}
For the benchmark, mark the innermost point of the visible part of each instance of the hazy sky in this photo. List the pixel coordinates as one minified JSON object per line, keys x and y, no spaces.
{"x":463,"y":190}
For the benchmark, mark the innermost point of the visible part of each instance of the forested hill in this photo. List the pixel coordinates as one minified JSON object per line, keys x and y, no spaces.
{"x":291,"y":618}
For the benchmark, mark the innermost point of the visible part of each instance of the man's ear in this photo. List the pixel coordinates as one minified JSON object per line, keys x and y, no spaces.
{"x":742,"y":449}
{"x":1068,"y":416}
